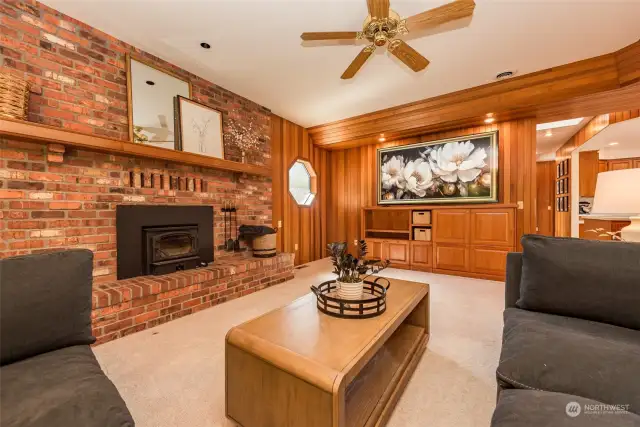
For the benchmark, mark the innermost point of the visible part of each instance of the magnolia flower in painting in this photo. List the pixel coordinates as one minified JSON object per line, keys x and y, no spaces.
{"x":392,"y":173}
{"x":418,"y":177}
{"x":457,"y":160}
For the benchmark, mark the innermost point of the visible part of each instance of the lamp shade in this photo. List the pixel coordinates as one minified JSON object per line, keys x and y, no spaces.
{"x":617,"y":193}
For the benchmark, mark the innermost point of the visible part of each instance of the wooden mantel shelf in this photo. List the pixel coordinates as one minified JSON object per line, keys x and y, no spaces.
{"x":47,"y":134}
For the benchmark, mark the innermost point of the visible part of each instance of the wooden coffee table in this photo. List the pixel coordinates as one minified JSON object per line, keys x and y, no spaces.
{"x":297,"y":367}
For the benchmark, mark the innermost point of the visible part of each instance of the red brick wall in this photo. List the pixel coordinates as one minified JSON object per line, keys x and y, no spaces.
{"x":79,"y":77}
{"x":47,"y":206}
{"x":51,"y":199}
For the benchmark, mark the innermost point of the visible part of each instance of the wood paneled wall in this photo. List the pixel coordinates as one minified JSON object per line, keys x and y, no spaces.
{"x":354,"y":179}
{"x":595,"y":125}
{"x":302,"y":226}
{"x":545,"y":197}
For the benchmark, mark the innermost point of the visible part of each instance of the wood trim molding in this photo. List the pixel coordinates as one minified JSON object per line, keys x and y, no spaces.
{"x":48,"y":134}
{"x":520,"y":97}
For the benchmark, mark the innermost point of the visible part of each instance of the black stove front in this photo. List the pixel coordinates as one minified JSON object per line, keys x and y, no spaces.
{"x":162,"y":239}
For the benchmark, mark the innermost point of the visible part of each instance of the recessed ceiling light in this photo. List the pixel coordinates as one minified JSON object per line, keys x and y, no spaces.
{"x":505,"y":74}
{"x":150,"y":83}
{"x":548,"y":133}
{"x":205,"y":45}
{"x":489,"y":120}
{"x":613,"y":143}
{"x":559,"y":124}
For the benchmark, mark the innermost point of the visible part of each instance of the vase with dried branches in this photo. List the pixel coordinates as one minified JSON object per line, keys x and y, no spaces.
{"x":246,"y":137}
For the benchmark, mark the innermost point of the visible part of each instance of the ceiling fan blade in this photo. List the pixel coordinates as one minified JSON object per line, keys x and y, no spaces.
{"x":378,"y":8}
{"x":440,"y":15}
{"x":336,"y":35}
{"x":408,"y":55}
{"x":358,"y":62}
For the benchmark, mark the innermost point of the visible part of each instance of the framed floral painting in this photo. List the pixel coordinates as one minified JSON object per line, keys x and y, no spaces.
{"x":455,"y":170}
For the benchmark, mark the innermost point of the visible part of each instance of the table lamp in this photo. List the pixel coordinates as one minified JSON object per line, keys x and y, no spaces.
{"x":618,"y":195}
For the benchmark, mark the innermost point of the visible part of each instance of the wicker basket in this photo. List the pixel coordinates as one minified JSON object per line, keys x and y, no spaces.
{"x":264,"y":246}
{"x":14,"y":97}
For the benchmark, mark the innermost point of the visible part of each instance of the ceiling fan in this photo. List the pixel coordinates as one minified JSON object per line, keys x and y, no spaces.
{"x":383,"y":25}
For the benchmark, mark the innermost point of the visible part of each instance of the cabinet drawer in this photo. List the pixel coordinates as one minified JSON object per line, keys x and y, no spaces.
{"x":488,"y":260}
{"x":451,"y":257}
{"x":422,"y":234}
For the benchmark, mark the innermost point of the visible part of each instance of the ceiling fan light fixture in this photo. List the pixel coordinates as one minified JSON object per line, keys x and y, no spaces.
{"x":382,"y":139}
{"x":489,"y":120}
{"x":548,"y":133}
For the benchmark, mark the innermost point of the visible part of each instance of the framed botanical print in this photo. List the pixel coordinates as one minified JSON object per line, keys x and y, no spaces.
{"x":200,"y":128}
{"x":455,"y":170}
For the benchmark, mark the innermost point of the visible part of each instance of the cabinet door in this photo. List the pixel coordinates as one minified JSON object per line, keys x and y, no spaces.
{"x":421,"y":254}
{"x":603,"y":166}
{"x":376,"y":249}
{"x":451,"y":257}
{"x":488,"y":260}
{"x":494,"y":227}
{"x":451,"y":226}
{"x":616,"y":165}
{"x":636,"y":163}
{"x":397,"y":252}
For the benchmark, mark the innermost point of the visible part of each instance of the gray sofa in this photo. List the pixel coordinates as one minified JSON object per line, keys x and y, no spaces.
{"x":571,"y":339}
{"x":49,"y":376}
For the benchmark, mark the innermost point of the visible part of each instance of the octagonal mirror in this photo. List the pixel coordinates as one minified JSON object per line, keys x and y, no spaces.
{"x":302,"y":182}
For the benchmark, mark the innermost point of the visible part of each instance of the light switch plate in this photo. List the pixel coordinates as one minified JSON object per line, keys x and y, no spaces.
{"x":295,"y":247}
{"x":279,"y":224}
{"x":520,"y":204}
{"x":355,"y":242}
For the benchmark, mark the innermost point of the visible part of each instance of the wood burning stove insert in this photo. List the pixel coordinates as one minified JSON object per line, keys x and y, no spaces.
{"x":162,"y":239}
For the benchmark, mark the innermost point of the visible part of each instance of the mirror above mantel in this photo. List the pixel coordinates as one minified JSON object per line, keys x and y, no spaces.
{"x":151,"y":94}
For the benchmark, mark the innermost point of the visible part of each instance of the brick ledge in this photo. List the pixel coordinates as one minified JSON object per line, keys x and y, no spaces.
{"x":127,"y":306}
{"x":112,"y":293}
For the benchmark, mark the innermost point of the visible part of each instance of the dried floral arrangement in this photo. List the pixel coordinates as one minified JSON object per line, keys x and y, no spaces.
{"x":349,"y":268}
{"x":246,"y":138}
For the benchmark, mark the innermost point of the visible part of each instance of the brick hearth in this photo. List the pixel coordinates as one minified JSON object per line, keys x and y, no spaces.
{"x":127,"y":306}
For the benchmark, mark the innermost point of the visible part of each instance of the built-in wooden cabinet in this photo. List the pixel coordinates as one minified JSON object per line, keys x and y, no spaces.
{"x":636,"y":163}
{"x":620,"y":164}
{"x":396,"y":251}
{"x":453,"y":226}
{"x":465,"y":240}
{"x":495,"y":227}
{"x":451,"y":257}
{"x":421,"y":255}
{"x":488,"y":260}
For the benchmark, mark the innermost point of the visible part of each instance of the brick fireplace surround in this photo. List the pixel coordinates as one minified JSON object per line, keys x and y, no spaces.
{"x":55,"y":197}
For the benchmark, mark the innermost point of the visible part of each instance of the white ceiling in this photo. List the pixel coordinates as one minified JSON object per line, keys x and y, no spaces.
{"x":627,"y":136}
{"x":546,"y":146}
{"x":257,"y":53}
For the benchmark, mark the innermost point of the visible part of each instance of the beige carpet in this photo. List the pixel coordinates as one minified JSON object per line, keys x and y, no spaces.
{"x":173,"y":375}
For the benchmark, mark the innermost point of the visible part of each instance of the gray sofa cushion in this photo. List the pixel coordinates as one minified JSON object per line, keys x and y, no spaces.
{"x":588,"y":279}
{"x":555,"y":353}
{"x":45,"y":303}
{"x":60,"y":388}
{"x":527,"y":408}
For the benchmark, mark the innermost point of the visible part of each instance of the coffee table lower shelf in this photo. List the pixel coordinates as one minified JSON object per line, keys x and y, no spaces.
{"x":372,"y":394}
